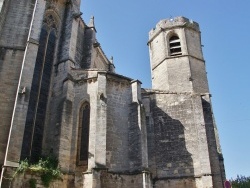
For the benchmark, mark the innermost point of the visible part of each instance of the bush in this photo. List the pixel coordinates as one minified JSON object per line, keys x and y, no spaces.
{"x":47,"y":167}
{"x":240,"y":182}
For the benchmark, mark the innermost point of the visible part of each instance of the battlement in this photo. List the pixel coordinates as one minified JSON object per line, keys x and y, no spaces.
{"x":179,"y":21}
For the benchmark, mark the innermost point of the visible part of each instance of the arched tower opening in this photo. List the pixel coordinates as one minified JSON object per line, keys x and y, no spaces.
{"x":175,"y":45}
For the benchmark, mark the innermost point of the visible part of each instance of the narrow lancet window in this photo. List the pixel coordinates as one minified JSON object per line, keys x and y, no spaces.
{"x":175,"y":45}
{"x":39,"y":94}
{"x":84,"y":134}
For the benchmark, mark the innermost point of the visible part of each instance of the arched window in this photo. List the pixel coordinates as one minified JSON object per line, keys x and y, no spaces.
{"x":39,"y":94}
{"x":83,"y":139}
{"x":175,"y":45}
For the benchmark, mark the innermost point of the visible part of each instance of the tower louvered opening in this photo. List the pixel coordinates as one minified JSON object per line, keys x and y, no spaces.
{"x":175,"y":46}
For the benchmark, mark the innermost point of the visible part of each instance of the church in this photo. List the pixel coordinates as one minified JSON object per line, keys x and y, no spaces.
{"x":61,"y":95}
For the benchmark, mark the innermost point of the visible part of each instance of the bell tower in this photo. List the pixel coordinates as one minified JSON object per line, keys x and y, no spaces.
{"x":177,"y":63}
{"x":178,"y":69}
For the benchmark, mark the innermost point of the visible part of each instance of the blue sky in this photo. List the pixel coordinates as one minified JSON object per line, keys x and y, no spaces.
{"x":122,"y":29}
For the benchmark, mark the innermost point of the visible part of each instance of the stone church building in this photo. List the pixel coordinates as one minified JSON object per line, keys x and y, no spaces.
{"x":61,"y":95}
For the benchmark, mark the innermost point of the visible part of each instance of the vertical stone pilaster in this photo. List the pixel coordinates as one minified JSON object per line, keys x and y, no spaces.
{"x":68,"y":35}
{"x":203,"y":169}
{"x":144,"y":145}
{"x":136,"y":90}
{"x":101,"y":123}
{"x":92,"y":179}
{"x":87,"y":180}
{"x":65,"y":124}
{"x":141,"y":132}
{"x":73,"y":39}
{"x":88,"y":55}
{"x":150,"y":134}
{"x":215,"y":154}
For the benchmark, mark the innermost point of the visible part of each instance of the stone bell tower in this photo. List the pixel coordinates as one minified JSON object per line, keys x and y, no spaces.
{"x":177,"y":62}
{"x":181,"y":108}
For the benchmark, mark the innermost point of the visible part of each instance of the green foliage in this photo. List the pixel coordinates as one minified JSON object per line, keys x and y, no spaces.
{"x":240,"y":182}
{"x":47,"y":167}
{"x":23,"y":166}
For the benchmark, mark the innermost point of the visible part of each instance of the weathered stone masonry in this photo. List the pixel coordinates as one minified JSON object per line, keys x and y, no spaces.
{"x":61,"y":96}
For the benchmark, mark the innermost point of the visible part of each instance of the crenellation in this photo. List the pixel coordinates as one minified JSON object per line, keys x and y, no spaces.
{"x":172,"y":23}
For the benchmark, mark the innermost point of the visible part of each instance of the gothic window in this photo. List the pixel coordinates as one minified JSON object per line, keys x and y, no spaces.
{"x":83,"y":141}
{"x":39,"y":93}
{"x":175,"y":45}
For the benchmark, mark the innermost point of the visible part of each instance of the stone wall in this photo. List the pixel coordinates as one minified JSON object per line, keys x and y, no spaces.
{"x":119,"y":97}
{"x":15,"y":22}
{"x":112,"y":180}
{"x":194,"y":48}
{"x":79,"y":44}
{"x":215,"y":154}
{"x":28,"y":178}
{"x":134,"y":137}
{"x":10,"y":65}
{"x":198,"y":76}
{"x":183,"y":183}
{"x":180,"y":148}
{"x":88,"y":48}
{"x":106,"y":179}
{"x":3,"y":12}
{"x":65,"y":35}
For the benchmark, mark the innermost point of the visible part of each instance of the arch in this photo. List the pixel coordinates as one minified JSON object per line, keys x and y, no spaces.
{"x":51,"y":18}
{"x":83,"y":134}
{"x":175,"y":45}
{"x":39,"y":94}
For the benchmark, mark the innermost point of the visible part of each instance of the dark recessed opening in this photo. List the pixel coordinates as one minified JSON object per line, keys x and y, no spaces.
{"x":175,"y":46}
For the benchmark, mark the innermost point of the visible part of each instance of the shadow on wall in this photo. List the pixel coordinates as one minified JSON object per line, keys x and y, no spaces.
{"x":172,"y":159}
{"x":134,"y":138}
{"x":216,"y":158}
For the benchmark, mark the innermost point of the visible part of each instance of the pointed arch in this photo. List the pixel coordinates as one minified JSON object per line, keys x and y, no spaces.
{"x":51,"y":19}
{"x":83,"y":136}
{"x":39,"y":94}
